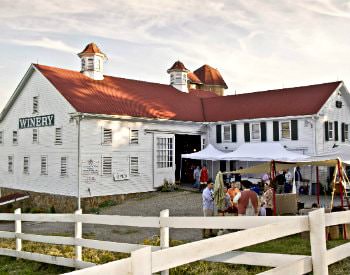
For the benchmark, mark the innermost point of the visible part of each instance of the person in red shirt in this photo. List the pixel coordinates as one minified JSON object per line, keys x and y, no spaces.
{"x":203,"y":177}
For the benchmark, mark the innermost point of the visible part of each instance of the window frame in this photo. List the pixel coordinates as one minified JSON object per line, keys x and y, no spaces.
{"x":106,"y":141}
{"x":132,"y":139}
{"x":103,"y":171}
{"x":330,"y":131}
{"x":290,"y":130}
{"x":37,"y":136}
{"x":26,"y":168}
{"x":346,"y":132}
{"x":62,"y":166}
{"x":132,"y":166}
{"x":165,"y":152}
{"x":15,"y":140}
{"x":35,"y":104}
{"x":252,"y":132}
{"x":46,"y":167}
{"x":223,"y":132}
{"x":58,"y":141}
{"x":12,"y":164}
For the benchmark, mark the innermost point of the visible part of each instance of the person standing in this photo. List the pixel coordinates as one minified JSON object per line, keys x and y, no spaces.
{"x":196,"y":176}
{"x":248,"y":203}
{"x":281,"y":181}
{"x":267,"y":200}
{"x":203,"y":177}
{"x":298,"y":179}
{"x":208,"y":205}
{"x":233,"y":191}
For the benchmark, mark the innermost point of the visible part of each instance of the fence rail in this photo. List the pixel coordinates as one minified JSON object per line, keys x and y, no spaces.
{"x":150,"y":259}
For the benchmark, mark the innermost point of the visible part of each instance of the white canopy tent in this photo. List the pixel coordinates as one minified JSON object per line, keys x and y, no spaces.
{"x":340,"y":151}
{"x":208,"y":153}
{"x":266,"y":151}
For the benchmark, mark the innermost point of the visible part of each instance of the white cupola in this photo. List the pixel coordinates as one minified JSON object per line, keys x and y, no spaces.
{"x":178,"y":76}
{"x":92,"y":61}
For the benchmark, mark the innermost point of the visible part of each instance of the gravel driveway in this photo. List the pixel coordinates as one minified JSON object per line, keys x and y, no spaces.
{"x":180,"y":203}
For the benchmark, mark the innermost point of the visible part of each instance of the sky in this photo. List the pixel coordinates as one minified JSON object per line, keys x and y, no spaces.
{"x":256,"y":45}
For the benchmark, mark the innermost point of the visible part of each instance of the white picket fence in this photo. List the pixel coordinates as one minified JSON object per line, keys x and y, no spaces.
{"x":149,"y":259}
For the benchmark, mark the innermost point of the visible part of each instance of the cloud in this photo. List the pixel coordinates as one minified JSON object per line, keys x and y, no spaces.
{"x":47,"y":43}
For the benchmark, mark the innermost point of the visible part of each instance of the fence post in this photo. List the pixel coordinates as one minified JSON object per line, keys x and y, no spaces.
{"x":141,"y":261}
{"x":318,"y":242}
{"x":164,"y":236}
{"x":78,"y":235}
{"x":18,"y":229}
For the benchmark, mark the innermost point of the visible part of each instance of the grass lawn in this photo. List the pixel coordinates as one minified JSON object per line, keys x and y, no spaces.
{"x":289,"y":245}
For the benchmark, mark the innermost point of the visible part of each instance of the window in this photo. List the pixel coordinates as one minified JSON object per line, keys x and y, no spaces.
{"x":58,"y":136}
{"x":346,"y":132}
{"x":285,"y":129}
{"x":14,"y":137}
{"x":64,"y":171}
{"x":330,"y":130}
{"x":107,"y":136}
{"x":26,"y":165}
{"x":1,"y":137}
{"x":83,"y":64}
{"x":35,"y":135}
{"x":10,"y":164}
{"x":165,"y":152}
{"x":106,"y":165}
{"x":134,"y":166}
{"x":35,"y":104}
{"x":90,"y":63}
{"x":134,"y":137}
{"x":255,"y":130}
{"x":43,"y":166}
{"x":226,"y":133}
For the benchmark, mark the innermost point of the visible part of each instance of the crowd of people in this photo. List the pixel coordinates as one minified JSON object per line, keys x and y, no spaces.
{"x":242,"y":197}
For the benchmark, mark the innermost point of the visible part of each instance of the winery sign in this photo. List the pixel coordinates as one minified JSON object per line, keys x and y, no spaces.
{"x":37,"y":121}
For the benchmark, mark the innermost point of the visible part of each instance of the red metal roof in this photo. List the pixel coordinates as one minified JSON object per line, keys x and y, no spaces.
{"x":91,"y":48}
{"x":306,"y":100}
{"x":210,"y":76}
{"x":120,"y":96}
{"x":177,"y":66}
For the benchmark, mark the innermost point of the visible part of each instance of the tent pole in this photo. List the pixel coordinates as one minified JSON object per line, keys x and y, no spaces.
{"x":340,"y":183}
{"x":212,"y":169}
{"x":318,"y":186}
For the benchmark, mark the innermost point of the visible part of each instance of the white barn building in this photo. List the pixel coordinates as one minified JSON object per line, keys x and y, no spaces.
{"x":86,"y":134}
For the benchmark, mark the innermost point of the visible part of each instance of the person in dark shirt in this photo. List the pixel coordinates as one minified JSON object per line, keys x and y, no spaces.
{"x":281,"y":181}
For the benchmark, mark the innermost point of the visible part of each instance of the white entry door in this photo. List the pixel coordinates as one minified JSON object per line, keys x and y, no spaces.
{"x":164,"y":159}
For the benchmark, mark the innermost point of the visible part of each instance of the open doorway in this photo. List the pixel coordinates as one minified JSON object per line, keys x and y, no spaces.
{"x":186,"y":144}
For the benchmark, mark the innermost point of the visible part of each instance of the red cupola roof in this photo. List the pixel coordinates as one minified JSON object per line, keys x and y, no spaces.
{"x":91,"y":49}
{"x":210,"y":76}
{"x":177,"y":66}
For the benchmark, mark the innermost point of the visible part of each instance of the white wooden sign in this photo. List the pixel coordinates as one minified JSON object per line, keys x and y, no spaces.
{"x":121,"y":176}
{"x":90,"y":171}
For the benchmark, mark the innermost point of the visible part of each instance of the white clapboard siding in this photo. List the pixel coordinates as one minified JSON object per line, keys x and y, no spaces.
{"x":49,"y":102}
{"x":120,"y":267}
{"x":253,"y":258}
{"x":299,"y":267}
{"x":179,"y":255}
{"x":236,"y":222}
